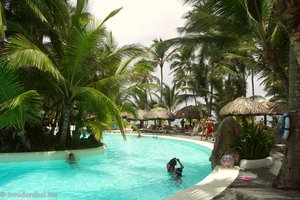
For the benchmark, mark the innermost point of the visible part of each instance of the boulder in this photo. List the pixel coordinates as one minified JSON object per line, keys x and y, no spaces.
{"x":227,"y":129}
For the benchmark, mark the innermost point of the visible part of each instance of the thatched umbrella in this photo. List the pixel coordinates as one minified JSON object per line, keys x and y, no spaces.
{"x":275,"y":108}
{"x":140,"y":116}
{"x":190,"y":112}
{"x":126,"y":115}
{"x":243,"y":106}
{"x":160,"y":113}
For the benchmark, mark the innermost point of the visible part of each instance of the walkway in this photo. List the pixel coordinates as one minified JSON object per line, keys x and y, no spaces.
{"x":259,"y":187}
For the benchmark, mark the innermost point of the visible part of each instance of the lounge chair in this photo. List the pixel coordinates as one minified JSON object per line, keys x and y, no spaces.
{"x":194,"y":131}
{"x":149,"y":129}
{"x":128,"y":129}
{"x":160,"y":130}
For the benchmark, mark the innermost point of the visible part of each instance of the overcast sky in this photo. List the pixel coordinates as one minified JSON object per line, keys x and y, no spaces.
{"x":142,"y":21}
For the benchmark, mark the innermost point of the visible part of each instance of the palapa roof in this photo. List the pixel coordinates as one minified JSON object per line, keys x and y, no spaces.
{"x":140,"y":115}
{"x":276,"y":108}
{"x":244,"y":106}
{"x":159,"y":113}
{"x":190,"y":112}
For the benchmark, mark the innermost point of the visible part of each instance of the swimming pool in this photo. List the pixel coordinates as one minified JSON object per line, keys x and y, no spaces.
{"x":132,"y":169}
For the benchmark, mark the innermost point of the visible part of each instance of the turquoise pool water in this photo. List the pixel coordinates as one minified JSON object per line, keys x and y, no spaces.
{"x":127,"y":170}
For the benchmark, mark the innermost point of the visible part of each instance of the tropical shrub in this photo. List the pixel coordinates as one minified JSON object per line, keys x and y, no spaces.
{"x":254,"y":142}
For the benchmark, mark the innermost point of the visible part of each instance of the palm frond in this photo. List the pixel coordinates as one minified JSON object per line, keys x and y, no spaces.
{"x":36,"y":9}
{"x":9,"y":87}
{"x":2,"y":21}
{"x":24,"y":108}
{"x":110,"y":15}
{"x":21,"y":52}
{"x":97,"y":128}
{"x":78,"y":47}
{"x":99,"y":101}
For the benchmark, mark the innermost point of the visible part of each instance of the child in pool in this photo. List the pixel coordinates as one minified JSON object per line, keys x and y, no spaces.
{"x":172,"y":169}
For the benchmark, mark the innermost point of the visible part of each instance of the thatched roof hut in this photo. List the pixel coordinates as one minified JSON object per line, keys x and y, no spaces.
{"x":140,"y":115}
{"x":276,"y":108}
{"x":244,"y":107}
{"x":190,"y":112}
{"x":126,"y":115}
{"x":159,"y":113}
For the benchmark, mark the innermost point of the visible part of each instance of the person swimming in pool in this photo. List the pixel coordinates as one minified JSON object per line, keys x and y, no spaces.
{"x":71,"y":158}
{"x":172,"y":169}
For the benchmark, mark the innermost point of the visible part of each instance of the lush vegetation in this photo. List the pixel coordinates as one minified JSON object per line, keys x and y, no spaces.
{"x":61,"y":66}
{"x":254,"y":142}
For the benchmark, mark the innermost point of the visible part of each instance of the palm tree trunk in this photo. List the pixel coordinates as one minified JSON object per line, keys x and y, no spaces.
{"x":252,"y":83}
{"x":161,"y":81}
{"x":195,"y":99}
{"x":185,"y":83}
{"x":66,"y":122}
{"x":289,"y":174}
{"x":185,"y":99}
{"x":295,"y":39}
{"x":211,"y":99}
{"x":55,"y":121}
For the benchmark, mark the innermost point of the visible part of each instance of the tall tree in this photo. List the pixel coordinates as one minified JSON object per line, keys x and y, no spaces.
{"x":66,"y":64}
{"x":182,"y":61}
{"x":160,"y":54}
{"x":289,"y":174}
{"x":171,"y":97}
{"x":219,"y":22}
{"x":259,"y":18}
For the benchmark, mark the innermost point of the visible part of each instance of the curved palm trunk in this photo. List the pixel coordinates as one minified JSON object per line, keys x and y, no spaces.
{"x":289,"y":174}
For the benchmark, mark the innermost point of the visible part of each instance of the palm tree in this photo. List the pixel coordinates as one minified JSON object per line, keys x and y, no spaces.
{"x":268,"y":32}
{"x":289,"y":174}
{"x":17,"y":107}
{"x":71,"y":86}
{"x":182,"y":61}
{"x":248,"y":21}
{"x":171,"y":97}
{"x":160,"y":54}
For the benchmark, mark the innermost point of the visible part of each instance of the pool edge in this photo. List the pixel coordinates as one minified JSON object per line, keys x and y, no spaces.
{"x":49,"y":155}
{"x":212,"y":185}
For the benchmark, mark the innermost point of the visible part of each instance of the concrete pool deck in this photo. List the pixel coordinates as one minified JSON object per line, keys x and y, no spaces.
{"x":214,"y":184}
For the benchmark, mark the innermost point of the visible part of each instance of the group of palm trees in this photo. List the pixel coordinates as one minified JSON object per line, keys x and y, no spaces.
{"x":237,"y":39}
{"x":58,"y":62}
